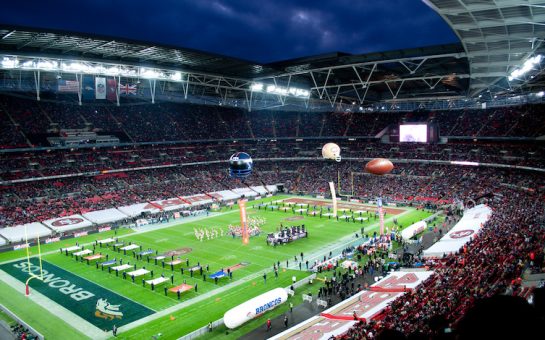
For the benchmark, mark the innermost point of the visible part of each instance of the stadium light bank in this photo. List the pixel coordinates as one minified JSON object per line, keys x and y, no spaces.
{"x":86,"y":67}
{"x":528,"y":65}
{"x":280,"y":90}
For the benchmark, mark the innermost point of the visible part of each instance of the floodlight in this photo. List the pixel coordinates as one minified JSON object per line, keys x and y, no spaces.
{"x":256,"y":87}
{"x":148,"y":73}
{"x":528,"y":65}
{"x":47,"y":65}
{"x":9,"y":63}
{"x":176,"y":76}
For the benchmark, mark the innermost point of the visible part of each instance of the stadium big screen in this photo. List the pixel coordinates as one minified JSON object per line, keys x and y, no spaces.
{"x":418,"y":133}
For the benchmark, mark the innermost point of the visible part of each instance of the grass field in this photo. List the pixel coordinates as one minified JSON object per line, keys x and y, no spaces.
{"x":50,"y":326}
{"x":218,"y":253}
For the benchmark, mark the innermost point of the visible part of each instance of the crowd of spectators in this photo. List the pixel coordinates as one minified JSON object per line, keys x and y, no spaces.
{"x":20,"y":332}
{"x":140,"y":122}
{"x":18,"y":165}
{"x":510,"y":243}
{"x":26,"y":202}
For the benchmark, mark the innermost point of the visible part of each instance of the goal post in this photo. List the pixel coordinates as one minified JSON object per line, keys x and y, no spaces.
{"x":31,"y":274}
{"x":350,"y":193}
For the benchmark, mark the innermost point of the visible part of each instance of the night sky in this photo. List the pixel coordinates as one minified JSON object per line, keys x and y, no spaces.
{"x":256,"y":30}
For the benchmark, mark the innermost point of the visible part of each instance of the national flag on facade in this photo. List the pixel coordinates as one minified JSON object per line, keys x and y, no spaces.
{"x":100,"y":88}
{"x":127,"y":89}
{"x":71,"y":86}
{"x":112,"y":88}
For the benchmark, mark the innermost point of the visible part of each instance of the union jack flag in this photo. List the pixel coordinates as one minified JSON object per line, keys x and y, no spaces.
{"x":127,"y":89}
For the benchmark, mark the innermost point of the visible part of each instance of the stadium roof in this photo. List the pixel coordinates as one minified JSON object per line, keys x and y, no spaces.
{"x":30,"y":41}
{"x":410,"y":73}
{"x":498,"y":35}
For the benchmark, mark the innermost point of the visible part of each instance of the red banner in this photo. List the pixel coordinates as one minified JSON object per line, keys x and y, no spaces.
{"x":112,"y":88}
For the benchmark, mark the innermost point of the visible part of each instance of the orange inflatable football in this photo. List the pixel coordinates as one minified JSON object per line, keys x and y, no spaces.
{"x":379,"y":166}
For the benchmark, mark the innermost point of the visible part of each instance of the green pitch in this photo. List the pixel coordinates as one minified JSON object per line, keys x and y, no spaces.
{"x":195,"y":309}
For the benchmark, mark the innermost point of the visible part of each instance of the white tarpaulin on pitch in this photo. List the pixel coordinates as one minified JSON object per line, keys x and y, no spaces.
{"x":67,"y":223}
{"x":17,"y":233}
{"x":105,"y":216}
{"x":468,"y":226}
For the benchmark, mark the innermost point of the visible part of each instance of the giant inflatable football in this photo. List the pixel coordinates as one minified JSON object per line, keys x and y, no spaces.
{"x":379,"y":166}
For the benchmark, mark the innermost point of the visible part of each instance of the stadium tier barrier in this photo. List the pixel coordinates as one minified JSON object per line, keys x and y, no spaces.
{"x":63,"y":224}
{"x":467,"y":228}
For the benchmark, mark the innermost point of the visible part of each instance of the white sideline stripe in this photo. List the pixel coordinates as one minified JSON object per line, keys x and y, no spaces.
{"x":56,"y":310}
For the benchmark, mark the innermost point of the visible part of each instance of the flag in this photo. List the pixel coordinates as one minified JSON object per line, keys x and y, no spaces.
{"x":127,"y":89}
{"x":100,"y":88}
{"x":111,"y":94}
{"x":88,"y":88}
{"x":71,"y":86}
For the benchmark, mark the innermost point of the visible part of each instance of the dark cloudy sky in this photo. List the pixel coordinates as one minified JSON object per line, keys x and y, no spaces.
{"x":256,"y":30}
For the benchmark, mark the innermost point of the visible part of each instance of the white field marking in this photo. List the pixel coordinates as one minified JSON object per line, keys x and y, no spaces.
{"x":57,"y":310}
{"x":101,"y":286}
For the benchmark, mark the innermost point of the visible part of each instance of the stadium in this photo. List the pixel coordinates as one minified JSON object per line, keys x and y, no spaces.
{"x":152,"y":191}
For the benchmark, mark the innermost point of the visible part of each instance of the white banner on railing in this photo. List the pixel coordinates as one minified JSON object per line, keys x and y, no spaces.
{"x":17,"y":233}
{"x":468,"y":227}
{"x":72,"y":222}
{"x":170,"y":204}
{"x":138,"y":208}
{"x":338,"y":319}
{"x":197,"y":200}
{"x":105,"y":216}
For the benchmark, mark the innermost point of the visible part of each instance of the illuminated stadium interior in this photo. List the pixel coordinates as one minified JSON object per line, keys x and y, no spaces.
{"x":122,"y":214}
